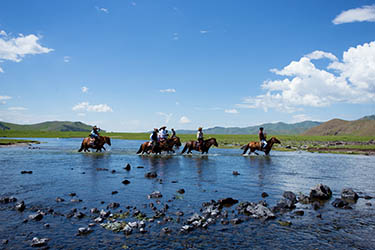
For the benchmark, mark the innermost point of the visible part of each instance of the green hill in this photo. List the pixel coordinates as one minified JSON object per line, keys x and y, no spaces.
{"x":279,"y":128}
{"x":362,"y":127}
{"x":47,"y":126}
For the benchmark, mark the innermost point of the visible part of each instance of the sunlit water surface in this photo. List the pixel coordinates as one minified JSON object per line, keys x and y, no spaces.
{"x":58,"y":169}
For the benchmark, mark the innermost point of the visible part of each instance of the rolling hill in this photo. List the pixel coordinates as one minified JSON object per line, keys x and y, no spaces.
{"x":279,"y":128}
{"x":362,"y":127}
{"x":47,"y":126}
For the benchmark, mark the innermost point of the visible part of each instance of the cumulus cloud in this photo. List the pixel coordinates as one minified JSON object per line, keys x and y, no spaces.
{"x":85,"y":106}
{"x":350,"y":81}
{"x":167,"y":90}
{"x":17,"y":108}
{"x":3,"y":33}
{"x":167,"y":116}
{"x":184,"y":120}
{"x":15,"y":49}
{"x":363,"y":14}
{"x":84,"y":89}
{"x":231,"y":111}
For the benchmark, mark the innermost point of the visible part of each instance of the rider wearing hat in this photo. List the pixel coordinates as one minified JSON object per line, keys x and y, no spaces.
{"x":95,"y":134}
{"x":200,"y":138}
{"x":163,"y":134}
{"x":262,"y":138}
{"x":154,"y":138}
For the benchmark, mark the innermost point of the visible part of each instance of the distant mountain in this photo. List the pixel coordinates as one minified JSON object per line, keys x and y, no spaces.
{"x":362,"y":127}
{"x":47,"y":126}
{"x":279,"y":128}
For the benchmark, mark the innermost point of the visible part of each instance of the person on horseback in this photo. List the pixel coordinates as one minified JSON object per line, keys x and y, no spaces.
{"x":154,"y":140}
{"x":173,"y":133}
{"x":163,"y":134}
{"x":199,"y":139}
{"x":95,"y":134}
{"x":262,"y":138}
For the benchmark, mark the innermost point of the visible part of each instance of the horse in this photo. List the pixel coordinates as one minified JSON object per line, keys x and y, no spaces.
{"x":88,"y":143}
{"x":254,"y":145}
{"x":192,"y":145}
{"x":166,"y":145}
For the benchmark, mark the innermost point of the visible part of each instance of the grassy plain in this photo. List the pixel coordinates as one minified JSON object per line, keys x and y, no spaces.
{"x":288,"y":142}
{"x":15,"y":141}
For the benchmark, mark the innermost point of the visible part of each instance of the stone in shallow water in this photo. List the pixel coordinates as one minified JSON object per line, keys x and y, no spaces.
{"x":264,"y":195}
{"x":84,"y":230}
{"x":127,"y":167}
{"x":20,"y":206}
{"x":151,"y":175}
{"x":155,"y":194}
{"x":290,"y":196}
{"x":320,"y":192}
{"x":181,"y":191}
{"x":59,"y":199}
{"x":36,"y":242}
{"x":125,"y":182}
{"x":349,"y":195}
{"x":36,"y":217}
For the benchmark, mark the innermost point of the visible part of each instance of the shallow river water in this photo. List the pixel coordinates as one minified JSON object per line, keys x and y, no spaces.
{"x":58,"y":170}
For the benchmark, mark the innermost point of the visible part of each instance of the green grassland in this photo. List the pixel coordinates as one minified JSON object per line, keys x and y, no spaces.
{"x":16,"y":141}
{"x":288,"y":142}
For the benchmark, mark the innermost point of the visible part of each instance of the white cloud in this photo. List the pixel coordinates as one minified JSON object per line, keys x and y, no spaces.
{"x":85,"y":106}
{"x":184,"y":120}
{"x":362,"y":14}
{"x":84,"y":89}
{"x":101,"y":9}
{"x":167,"y":90}
{"x":349,"y":81}
{"x":3,"y":33}
{"x":231,"y":111}
{"x":17,"y":108}
{"x":203,"y":31}
{"x":15,"y":49}
{"x":4,"y":98}
{"x":167,"y":116}
{"x":66,"y":59}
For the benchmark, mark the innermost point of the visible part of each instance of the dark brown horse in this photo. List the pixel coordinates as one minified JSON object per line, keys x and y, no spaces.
{"x":193,"y":145}
{"x":88,"y":143}
{"x":166,"y":145}
{"x":254,"y":145}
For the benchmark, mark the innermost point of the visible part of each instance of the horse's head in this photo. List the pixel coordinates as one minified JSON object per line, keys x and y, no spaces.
{"x":275,"y":140}
{"x":214,"y":142}
{"x":107,"y":140}
{"x":177,"y":141}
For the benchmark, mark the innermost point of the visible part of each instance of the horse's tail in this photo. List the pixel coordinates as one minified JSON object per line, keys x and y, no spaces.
{"x":140,"y":149}
{"x":185,"y":148}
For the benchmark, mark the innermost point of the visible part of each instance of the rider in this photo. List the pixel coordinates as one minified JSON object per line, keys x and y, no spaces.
{"x":173,"y":133}
{"x":262,"y":138}
{"x":200,"y":138}
{"x":163,"y":134}
{"x":154,"y":138}
{"x":95,"y":134}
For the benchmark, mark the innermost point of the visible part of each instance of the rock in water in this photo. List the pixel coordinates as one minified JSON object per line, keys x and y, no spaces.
{"x":36,"y":217}
{"x":339,"y":203}
{"x":264,"y":195}
{"x":235,"y":173}
{"x":20,"y":206}
{"x":36,"y":242}
{"x":155,"y":194}
{"x":125,"y":182}
{"x":349,"y":195}
{"x":84,"y":230}
{"x":290,"y":196}
{"x":151,"y":175}
{"x":320,"y":192}
{"x":181,"y":191}
{"x":227,"y":202}
{"x":128,"y":167}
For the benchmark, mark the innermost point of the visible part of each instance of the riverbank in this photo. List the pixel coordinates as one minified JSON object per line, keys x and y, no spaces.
{"x":16,"y":143}
{"x":332,"y":144}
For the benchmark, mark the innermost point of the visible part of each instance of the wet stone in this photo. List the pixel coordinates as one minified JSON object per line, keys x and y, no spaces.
{"x":166,"y":230}
{"x":227,"y":202}
{"x":102,"y":169}
{"x":84,"y":230}
{"x":4,"y":242}
{"x":155,"y":194}
{"x":236,"y":221}
{"x":127,"y":167}
{"x":36,"y":217}
{"x":367,"y":197}
{"x":181,"y":191}
{"x":26,"y":172}
{"x":94,"y":210}
{"x":36,"y":242}
{"x":321,"y":192}
{"x":368,"y":204}
{"x":126,"y":182}
{"x":299,"y":212}
{"x":290,"y":196}
{"x":75,"y":200}
{"x":140,"y":167}
{"x":72,"y":194}
{"x":180,"y":213}
{"x":349,"y":195}
{"x":114,"y":192}
{"x":235,"y":173}
{"x":113,"y":205}
{"x":113,"y":171}
{"x":59,"y":199}
{"x":46,"y":225}
{"x":79,"y":215}
{"x":303,"y":199}
{"x":20,"y":206}
{"x":151,"y":175}
{"x":6,"y":200}
{"x":127,"y":230}
{"x":264,"y":195}
{"x":98,"y":220}
{"x":316,"y":205}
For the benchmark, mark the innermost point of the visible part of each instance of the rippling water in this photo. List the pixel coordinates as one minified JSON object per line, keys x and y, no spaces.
{"x":58,"y":169}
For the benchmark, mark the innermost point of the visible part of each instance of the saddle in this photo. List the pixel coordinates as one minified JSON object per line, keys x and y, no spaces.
{"x":92,"y":141}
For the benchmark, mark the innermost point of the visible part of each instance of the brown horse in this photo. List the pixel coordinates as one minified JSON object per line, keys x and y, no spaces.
{"x":254,"y":145}
{"x":166,"y":145}
{"x":192,"y":145}
{"x":88,"y":143}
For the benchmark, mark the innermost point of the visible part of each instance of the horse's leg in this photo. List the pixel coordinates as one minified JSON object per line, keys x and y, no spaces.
{"x":246,"y":148}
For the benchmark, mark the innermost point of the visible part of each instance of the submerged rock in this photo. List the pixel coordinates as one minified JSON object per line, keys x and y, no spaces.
{"x":84,"y":230}
{"x":26,"y":172}
{"x":166,"y":230}
{"x":59,"y":199}
{"x":6,"y":200}
{"x":227,"y":202}
{"x":181,"y":191}
{"x":340,"y":203}
{"x":151,"y":175}
{"x":37,"y":216}
{"x":303,"y":199}
{"x":113,"y":205}
{"x":155,"y":194}
{"x":127,"y":167}
{"x":349,"y":195}
{"x":235,"y":173}
{"x":125,"y":182}
{"x":320,"y":192}
{"x":290,"y":196}
{"x":264,"y":195}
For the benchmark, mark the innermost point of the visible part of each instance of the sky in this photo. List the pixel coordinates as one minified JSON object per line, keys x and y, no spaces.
{"x":132,"y":65}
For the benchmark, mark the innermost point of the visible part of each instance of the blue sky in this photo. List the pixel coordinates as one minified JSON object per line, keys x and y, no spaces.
{"x":134,"y":65}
